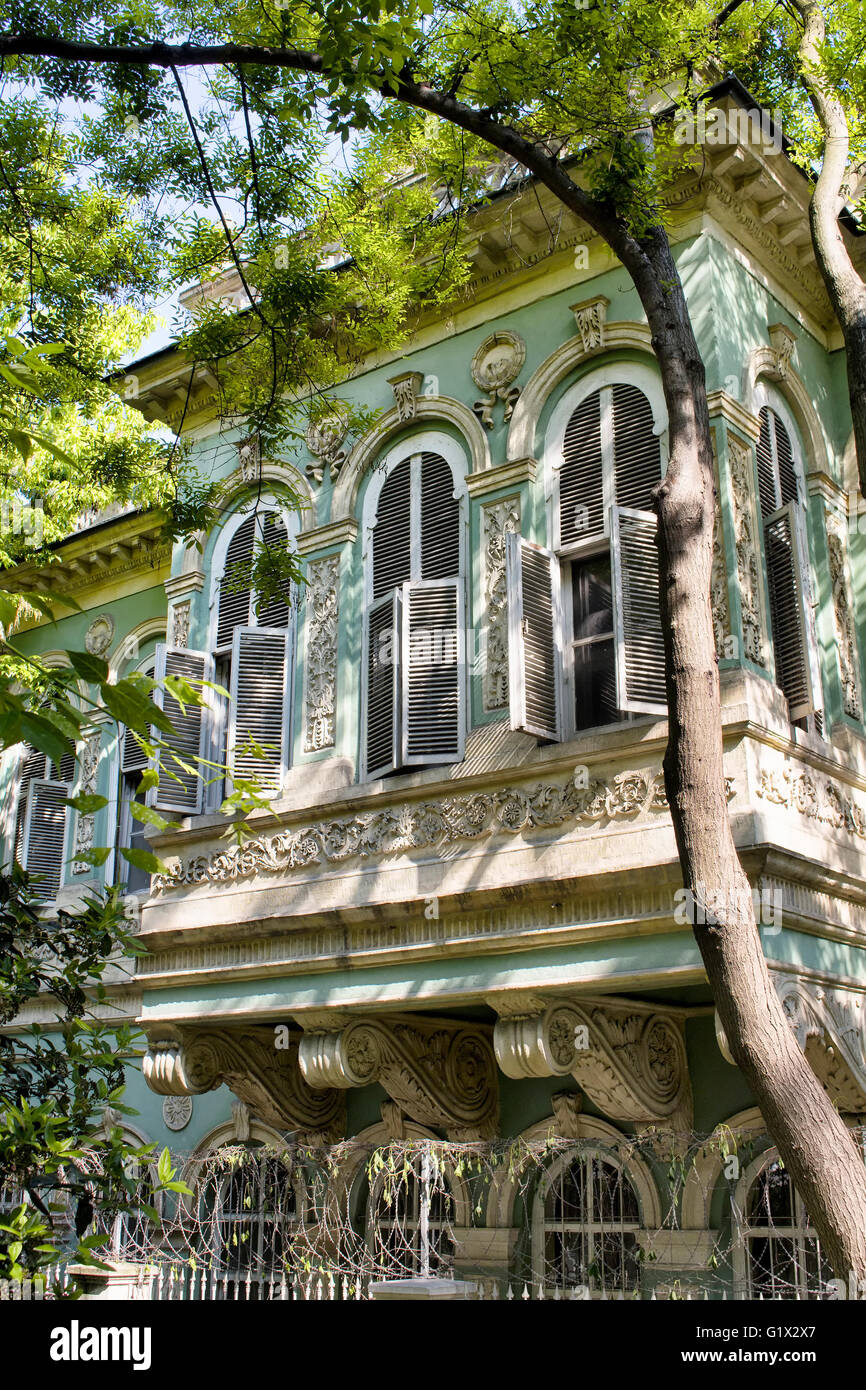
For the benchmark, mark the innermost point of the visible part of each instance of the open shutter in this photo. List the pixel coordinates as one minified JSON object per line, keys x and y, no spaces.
{"x":188,"y":740}
{"x":45,"y":833}
{"x":382,"y":669}
{"x":581,"y":486}
{"x":259,"y":691}
{"x":640,"y":655}
{"x":432,"y":651}
{"x":392,"y":561}
{"x":795,"y":645}
{"x":275,"y":611}
{"x":532,"y":577}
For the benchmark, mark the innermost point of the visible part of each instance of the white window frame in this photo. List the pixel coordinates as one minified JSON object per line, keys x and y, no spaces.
{"x":646,"y":380}
{"x":433,"y":442}
{"x":416,"y":1230}
{"x":744,"y":1233}
{"x":583,"y":1152}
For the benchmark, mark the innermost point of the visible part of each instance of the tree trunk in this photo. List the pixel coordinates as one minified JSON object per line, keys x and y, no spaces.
{"x":811,"y":1137}
{"x":833,"y":188}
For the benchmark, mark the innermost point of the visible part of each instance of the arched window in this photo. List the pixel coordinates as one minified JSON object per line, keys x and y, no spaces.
{"x":414,"y":676}
{"x":130,"y":831}
{"x":585,"y":1221}
{"x":251,"y":655}
{"x":249,"y":1207}
{"x":41,"y":819}
{"x":585,"y":638}
{"x":783,"y":1256}
{"x":783,"y":517}
{"x":409,"y":1220}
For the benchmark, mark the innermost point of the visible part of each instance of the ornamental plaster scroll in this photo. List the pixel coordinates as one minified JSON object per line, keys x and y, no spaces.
{"x":829,"y":1026}
{"x":748,"y":551}
{"x":323,"y":606}
{"x":498,"y":519}
{"x":97,"y":638}
{"x":817,"y":798}
{"x":406,"y":387}
{"x":88,"y":762}
{"x":180,"y":620}
{"x":719,"y":597}
{"x":630,"y":1059}
{"x":428,"y":825}
{"x":496,"y":363}
{"x":843,"y":617}
{"x":440,"y":1073}
{"x":253,"y":1064}
{"x":325,"y":442}
{"x":782,"y":342}
{"x":250,"y":458}
{"x":591,"y":319}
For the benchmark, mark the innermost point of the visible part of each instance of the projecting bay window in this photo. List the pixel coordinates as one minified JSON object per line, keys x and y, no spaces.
{"x":414,"y":639}
{"x":585,"y":638}
{"x":783,"y":514}
{"x":41,"y":819}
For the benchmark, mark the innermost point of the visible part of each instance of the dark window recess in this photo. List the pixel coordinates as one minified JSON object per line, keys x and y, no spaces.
{"x":594,"y":657}
{"x":132,"y":835}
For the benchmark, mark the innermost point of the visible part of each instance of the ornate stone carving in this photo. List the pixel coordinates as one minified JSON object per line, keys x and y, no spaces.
{"x":394,"y":1120}
{"x":843,"y":618}
{"x":322,"y":599}
{"x":815,"y":797}
{"x":88,"y":763}
{"x":180,"y":616}
{"x":176,"y":1112}
{"x":497,"y":520}
{"x":265,"y":1076}
{"x":591,"y":318}
{"x":97,"y":638}
{"x":782,"y":341}
{"x":440,"y":1073}
{"x":829,"y":1025}
{"x":325,"y":441}
{"x":425,"y":824}
{"x":566,"y":1112}
{"x":494,"y":367}
{"x":629,"y":1058}
{"x":719,"y":599}
{"x":745,"y":539}
{"x":250,"y":458}
{"x":406,"y":387}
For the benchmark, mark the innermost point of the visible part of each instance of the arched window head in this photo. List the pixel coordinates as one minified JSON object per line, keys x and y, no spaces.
{"x":414,"y":662}
{"x":585,"y":1222}
{"x":585,"y":637}
{"x":783,"y":516}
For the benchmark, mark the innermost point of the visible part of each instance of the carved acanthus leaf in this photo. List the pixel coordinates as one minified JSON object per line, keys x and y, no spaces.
{"x":323,"y":606}
{"x":498,"y":519}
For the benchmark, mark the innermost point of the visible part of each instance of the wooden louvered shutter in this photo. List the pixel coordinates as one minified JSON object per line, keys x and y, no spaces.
{"x":45,"y":833}
{"x":33,"y":766}
{"x":392,"y":553}
{"x":440,"y":520}
{"x":275,"y":611}
{"x":431,"y":654}
{"x":188,"y":740}
{"x":259,"y":700}
{"x":581,"y":478}
{"x":636,"y":449}
{"x":795,"y":645}
{"x":640,"y":656}
{"x":234,"y":604}
{"x":532,"y":577}
{"x":382,"y":673}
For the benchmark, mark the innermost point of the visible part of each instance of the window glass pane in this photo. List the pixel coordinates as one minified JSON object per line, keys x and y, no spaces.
{"x":595,"y":685}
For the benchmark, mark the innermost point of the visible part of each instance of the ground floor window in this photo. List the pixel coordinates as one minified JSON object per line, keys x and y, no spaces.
{"x":585,"y":1224}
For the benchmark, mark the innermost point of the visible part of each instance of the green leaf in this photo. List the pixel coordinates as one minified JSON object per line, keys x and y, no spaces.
{"x":90,"y":668}
{"x":87,"y":802}
{"x":141,"y":859}
{"x":96,"y":857}
{"x":42,"y":733}
{"x":148,"y":816}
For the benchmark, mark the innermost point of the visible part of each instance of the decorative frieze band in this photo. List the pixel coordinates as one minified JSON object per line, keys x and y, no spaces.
{"x":427,"y":825}
{"x":261,"y":1072}
{"x":440,"y":1073}
{"x":817,"y":798}
{"x":628,"y":1058}
{"x":323,"y":606}
{"x":497,"y":520}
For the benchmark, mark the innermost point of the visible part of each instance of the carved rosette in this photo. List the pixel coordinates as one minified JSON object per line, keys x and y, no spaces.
{"x":497,"y":520}
{"x":843,"y":617}
{"x":264,"y":1075}
{"x":628,"y":1058}
{"x":494,"y":367}
{"x":88,"y":762}
{"x":745,"y":538}
{"x":441,"y":1074}
{"x":323,"y":580}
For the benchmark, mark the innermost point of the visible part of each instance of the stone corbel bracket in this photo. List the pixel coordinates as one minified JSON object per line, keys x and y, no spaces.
{"x":630,"y":1059}
{"x":260,"y":1064}
{"x":829,"y":1026}
{"x":442,"y":1074}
